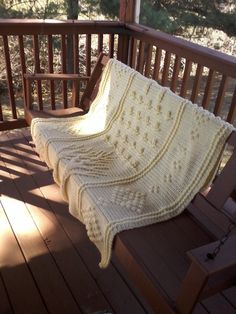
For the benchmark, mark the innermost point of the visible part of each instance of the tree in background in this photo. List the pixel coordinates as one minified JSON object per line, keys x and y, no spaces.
{"x":176,"y":16}
{"x":40,"y":9}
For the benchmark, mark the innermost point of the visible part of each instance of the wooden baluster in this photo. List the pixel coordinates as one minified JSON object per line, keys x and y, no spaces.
{"x":148,"y":60}
{"x":232,"y":111}
{"x":111,"y":45}
{"x":175,"y":73}
{"x":76,"y":84}
{"x":157,"y":64}
{"x":165,"y":73}
{"x":23,"y":66}
{"x":220,"y":95}
{"x":76,"y":53}
{"x":123,"y":45}
{"x":1,"y":115}
{"x":133,"y":53}
{"x":196,"y":83}
{"x":9,"y":77}
{"x":207,"y":93}
{"x":37,"y":70}
{"x":88,"y":54}
{"x":50,"y":69}
{"x":100,"y":43}
{"x":187,"y":70}
{"x":63,"y":67}
{"x":140,"y":63}
{"x":119,"y":49}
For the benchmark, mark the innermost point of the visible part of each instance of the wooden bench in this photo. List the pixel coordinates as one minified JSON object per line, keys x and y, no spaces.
{"x":168,"y":261}
{"x":76,"y":108}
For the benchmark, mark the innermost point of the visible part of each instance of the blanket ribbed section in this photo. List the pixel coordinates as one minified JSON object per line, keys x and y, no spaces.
{"x":138,"y":157}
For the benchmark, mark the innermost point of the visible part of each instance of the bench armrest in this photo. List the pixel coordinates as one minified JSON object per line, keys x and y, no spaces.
{"x":206,"y":277}
{"x":75,"y":78}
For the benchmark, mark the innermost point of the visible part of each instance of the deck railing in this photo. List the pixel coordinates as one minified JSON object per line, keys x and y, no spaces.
{"x":205,"y":76}
{"x":36,"y":46}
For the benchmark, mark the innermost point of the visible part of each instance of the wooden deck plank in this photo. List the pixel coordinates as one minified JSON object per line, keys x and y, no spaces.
{"x":15,"y":273}
{"x":49,"y":280}
{"x":5,"y":306}
{"x":64,"y":239}
{"x":86,"y":293}
{"x":217,"y":304}
{"x":108,"y":279}
{"x":230,"y":294}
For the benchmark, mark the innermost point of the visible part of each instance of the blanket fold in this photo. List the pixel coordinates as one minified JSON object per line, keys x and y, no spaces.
{"x":138,"y":157}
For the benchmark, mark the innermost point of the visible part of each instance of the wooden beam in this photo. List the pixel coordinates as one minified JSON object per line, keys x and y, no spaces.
{"x":128,"y":11}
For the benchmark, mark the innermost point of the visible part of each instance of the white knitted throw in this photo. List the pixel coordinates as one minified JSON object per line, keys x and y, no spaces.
{"x":138,"y":157}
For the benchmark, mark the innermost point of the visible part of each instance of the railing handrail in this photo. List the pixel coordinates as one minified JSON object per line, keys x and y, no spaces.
{"x":205,"y":56}
{"x":62,"y":27}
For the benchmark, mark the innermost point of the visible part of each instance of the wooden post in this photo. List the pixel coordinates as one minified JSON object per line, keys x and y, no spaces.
{"x":129,"y":13}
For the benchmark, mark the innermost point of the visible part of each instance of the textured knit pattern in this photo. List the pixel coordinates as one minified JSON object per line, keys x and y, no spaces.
{"x":138,"y":157}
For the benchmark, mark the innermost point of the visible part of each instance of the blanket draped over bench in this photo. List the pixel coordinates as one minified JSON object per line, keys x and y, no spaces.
{"x":138,"y":157}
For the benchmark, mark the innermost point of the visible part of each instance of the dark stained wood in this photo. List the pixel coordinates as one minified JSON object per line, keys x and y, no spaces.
{"x":22,"y":62}
{"x":47,"y":27}
{"x":27,"y":300}
{"x":196,"y":84}
{"x":1,"y":113}
{"x":217,"y":304}
{"x":184,"y":86}
{"x":76,"y":53}
{"x":224,"y":184}
{"x":59,"y":244}
{"x":50,"y":70}
{"x":133,"y":53}
{"x":92,"y":85}
{"x":123,"y":44}
{"x":148,"y":61}
{"x":166,"y":68}
{"x":191,"y":289}
{"x":232,"y":111}
{"x":220,"y":95}
{"x":143,"y":279}
{"x":157,"y":64}
{"x":129,"y":35}
{"x":100,"y":43}
{"x":37,"y":69}
{"x":127,"y":11}
{"x":88,"y":54}
{"x":88,"y":96}
{"x":29,"y":110}
{"x":67,"y":243}
{"x":208,"y":88}
{"x":5,"y":306}
{"x":176,"y":70}
{"x":198,"y":54}
{"x":13,"y":124}
{"x":9,"y":77}
{"x":141,"y":55}
{"x":41,"y":264}
{"x":111,"y":45}
{"x":64,"y":70}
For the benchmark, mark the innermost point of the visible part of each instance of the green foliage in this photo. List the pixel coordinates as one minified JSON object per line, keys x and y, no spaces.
{"x":157,"y":19}
{"x":176,"y":16}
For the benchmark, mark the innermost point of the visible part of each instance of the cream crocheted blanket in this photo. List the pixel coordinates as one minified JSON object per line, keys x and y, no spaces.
{"x":138,"y":157}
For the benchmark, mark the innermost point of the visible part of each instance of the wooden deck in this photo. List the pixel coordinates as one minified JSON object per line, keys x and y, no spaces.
{"x":47,"y":263}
